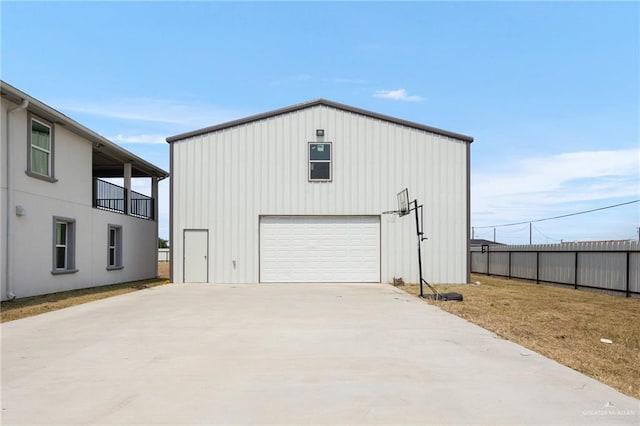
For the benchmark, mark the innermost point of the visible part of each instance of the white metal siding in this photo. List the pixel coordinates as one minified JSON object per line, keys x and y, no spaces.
{"x":320,"y":249}
{"x":226,"y":180}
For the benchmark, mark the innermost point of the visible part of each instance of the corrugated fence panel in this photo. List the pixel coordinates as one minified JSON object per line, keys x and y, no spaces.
{"x":557,"y":267}
{"x":523,"y":265}
{"x":634,"y":272}
{"x":499,"y":263}
{"x":479,"y":262}
{"x":611,"y":266}
{"x":163,"y":255}
{"x":602,"y":270}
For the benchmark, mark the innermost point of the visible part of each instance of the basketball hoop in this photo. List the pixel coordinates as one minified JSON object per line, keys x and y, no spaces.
{"x":404,"y":208}
{"x":403,"y":202}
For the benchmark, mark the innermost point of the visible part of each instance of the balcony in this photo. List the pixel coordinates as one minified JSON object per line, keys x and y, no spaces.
{"x":113,"y":198}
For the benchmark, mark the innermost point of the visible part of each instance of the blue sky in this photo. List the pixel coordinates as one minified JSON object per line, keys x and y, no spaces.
{"x":550,"y":91}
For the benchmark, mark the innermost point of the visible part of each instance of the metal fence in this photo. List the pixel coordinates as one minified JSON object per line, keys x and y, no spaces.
{"x":108,"y":196}
{"x":611,"y":266}
{"x":163,"y":255}
{"x":141,"y":206}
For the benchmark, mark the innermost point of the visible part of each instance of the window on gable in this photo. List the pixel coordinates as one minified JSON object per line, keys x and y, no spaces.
{"x":320,"y":161}
{"x":114,"y":247}
{"x":40,"y":157}
{"x":64,"y":247}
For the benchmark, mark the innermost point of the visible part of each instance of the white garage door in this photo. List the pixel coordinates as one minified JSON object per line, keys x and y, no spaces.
{"x":320,"y":249}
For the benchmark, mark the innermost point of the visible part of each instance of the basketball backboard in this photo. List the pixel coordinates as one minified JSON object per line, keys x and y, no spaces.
{"x":403,"y":202}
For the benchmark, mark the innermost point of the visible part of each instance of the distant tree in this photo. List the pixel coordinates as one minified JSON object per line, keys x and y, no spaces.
{"x":162,"y":243}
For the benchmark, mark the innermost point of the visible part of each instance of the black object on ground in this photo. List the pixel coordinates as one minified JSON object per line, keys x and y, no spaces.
{"x":441,"y":296}
{"x":445,"y":296}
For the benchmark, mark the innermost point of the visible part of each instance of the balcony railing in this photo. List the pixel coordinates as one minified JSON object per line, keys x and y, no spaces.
{"x":111,"y":197}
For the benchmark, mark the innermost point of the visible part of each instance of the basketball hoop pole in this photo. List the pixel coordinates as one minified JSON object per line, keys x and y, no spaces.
{"x":419,"y":234}
{"x":404,"y":208}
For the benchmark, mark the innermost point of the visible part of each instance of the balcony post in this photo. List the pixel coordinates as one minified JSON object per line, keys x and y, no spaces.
{"x":154,"y":216}
{"x":127,"y":188}
{"x":154,"y":196}
{"x":95,"y":192}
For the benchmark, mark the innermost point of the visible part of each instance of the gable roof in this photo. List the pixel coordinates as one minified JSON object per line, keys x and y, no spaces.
{"x":314,"y":103}
{"x":107,"y":156}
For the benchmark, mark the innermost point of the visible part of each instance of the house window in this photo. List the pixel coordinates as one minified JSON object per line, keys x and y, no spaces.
{"x":40,"y":156}
{"x":64,"y":246}
{"x":114,"y":247}
{"x":319,"y":161}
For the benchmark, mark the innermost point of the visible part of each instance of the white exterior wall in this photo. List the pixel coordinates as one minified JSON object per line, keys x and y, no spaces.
{"x":3,"y":196}
{"x":225,"y":180}
{"x":69,"y":197}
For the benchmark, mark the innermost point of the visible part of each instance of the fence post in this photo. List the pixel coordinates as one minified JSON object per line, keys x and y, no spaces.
{"x":488,"y":262}
{"x":125,"y":200}
{"x":575,"y":272}
{"x":537,"y":267}
{"x":509,"y":264}
{"x":627,"y":289}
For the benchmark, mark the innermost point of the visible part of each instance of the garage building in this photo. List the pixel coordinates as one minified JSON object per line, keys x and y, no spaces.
{"x":297,"y":195}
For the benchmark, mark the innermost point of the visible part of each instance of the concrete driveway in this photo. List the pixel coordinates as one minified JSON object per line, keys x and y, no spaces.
{"x":284,"y":354}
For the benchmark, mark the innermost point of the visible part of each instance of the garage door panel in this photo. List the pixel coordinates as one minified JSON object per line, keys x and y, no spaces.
{"x":320,"y":249}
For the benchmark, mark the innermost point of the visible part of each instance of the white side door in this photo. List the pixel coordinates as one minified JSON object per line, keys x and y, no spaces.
{"x":196,"y":254}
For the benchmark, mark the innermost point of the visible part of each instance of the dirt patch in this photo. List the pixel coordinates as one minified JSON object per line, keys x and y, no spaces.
{"x":565,"y":325}
{"x":30,"y":306}
{"x":163,"y":270}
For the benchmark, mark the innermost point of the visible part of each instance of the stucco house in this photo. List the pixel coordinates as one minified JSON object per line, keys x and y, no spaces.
{"x":297,"y":195}
{"x":62,"y":225}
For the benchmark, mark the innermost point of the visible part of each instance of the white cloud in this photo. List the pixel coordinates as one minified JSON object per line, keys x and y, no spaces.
{"x":187,"y":115}
{"x":139,"y":139}
{"x":539,"y":187}
{"x":397,"y":95}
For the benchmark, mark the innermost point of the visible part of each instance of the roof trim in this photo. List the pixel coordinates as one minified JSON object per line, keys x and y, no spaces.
{"x":313,"y":103}
{"x":40,"y":108}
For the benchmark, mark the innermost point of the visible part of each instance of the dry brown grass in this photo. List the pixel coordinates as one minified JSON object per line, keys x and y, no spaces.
{"x":562,"y":324}
{"x":163,"y":270}
{"x":30,"y":306}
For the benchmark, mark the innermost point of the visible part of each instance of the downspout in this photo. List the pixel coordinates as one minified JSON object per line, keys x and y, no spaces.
{"x":172,"y":242}
{"x":10,"y":213}
{"x":468,"y":155}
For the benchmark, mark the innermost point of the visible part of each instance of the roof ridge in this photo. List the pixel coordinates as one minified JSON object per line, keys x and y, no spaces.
{"x":312,"y":103}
